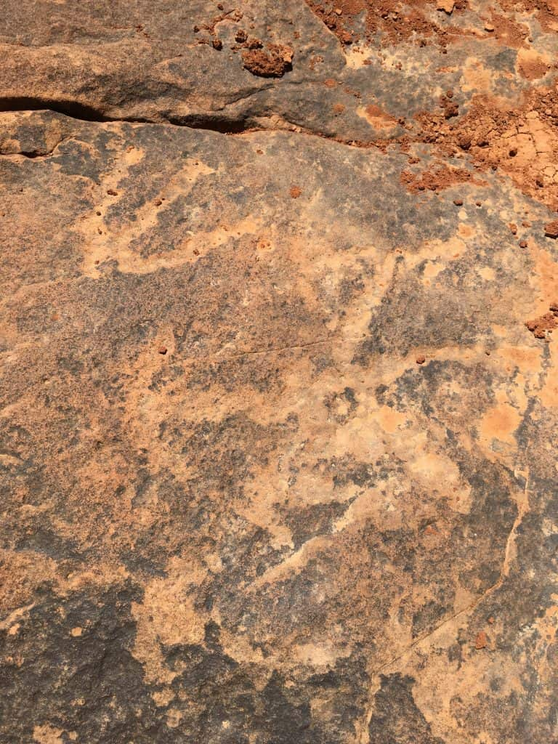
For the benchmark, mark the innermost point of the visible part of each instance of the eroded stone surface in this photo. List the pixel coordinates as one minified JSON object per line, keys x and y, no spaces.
{"x":277,"y":452}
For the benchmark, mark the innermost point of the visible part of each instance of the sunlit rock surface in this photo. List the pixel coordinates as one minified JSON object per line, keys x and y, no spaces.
{"x":277,"y":372}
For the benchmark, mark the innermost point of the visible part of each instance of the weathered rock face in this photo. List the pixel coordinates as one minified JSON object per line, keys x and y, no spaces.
{"x":279,"y":400}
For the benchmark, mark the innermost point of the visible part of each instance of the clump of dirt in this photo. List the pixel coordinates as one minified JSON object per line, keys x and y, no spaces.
{"x":449,"y":106}
{"x":437,"y":179}
{"x":394,"y":20}
{"x":275,"y":61}
{"x":481,"y":641}
{"x":335,"y":19}
{"x":508,"y":31}
{"x":541,"y":327}
{"x":544,"y":11}
{"x":519,"y":140}
{"x":426,"y":21}
{"x":531,"y":65}
{"x":551,"y":229}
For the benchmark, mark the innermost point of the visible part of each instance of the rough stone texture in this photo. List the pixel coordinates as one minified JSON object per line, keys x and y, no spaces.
{"x":279,"y":400}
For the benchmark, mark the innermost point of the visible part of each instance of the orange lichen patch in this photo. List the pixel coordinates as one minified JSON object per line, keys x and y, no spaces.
{"x":390,"y":420}
{"x":476,"y":77}
{"x":431,"y":270}
{"x":437,"y":179}
{"x":487,"y":273}
{"x":443,"y":250}
{"x":526,"y":359}
{"x":546,"y":273}
{"x":500,"y":422}
{"x":466,"y":231}
{"x":434,"y":471}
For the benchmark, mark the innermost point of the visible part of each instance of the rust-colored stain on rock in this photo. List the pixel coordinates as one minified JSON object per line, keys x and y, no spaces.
{"x":278,"y":381}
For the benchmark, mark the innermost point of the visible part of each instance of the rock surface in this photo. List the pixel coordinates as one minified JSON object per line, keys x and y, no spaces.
{"x":277,"y":372}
